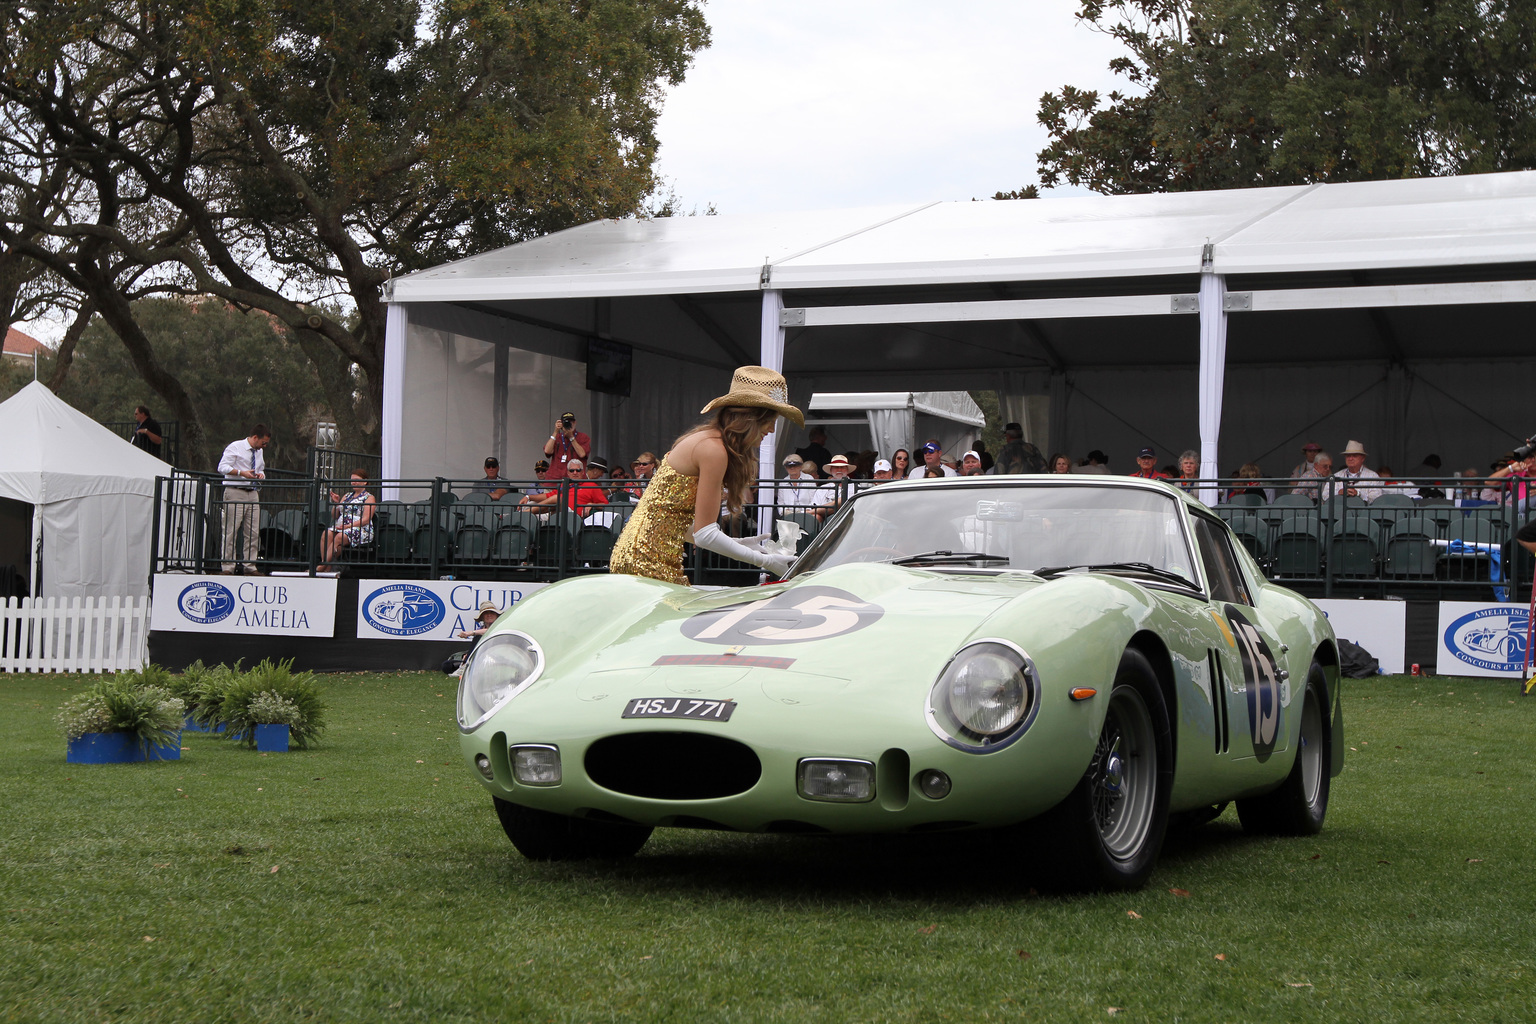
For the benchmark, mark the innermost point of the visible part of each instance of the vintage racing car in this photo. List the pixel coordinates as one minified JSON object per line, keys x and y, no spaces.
{"x":1068,"y":661}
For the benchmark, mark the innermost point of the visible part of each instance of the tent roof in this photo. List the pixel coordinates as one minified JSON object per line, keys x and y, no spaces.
{"x":956,"y":406}
{"x":54,"y":452}
{"x":1470,"y":219}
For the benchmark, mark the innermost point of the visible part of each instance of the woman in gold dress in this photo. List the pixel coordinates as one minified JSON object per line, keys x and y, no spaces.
{"x":682,"y":502}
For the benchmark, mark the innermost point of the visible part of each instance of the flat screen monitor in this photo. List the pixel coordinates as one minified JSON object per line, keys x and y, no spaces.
{"x":610,"y":365}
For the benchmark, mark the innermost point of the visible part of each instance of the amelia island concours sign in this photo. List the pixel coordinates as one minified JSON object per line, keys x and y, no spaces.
{"x":429,"y":609}
{"x":258,"y":606}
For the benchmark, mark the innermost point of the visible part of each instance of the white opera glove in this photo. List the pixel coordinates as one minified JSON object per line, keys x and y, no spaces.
{"x":710,"y":538}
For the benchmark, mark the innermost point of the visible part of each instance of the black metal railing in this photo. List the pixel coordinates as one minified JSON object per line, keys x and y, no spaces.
{"x":170,"y":437}
{"x":1431,"y":539}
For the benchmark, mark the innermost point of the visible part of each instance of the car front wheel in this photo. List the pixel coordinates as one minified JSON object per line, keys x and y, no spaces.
{"x":1108,"y":831}
{"x":540,"y":835}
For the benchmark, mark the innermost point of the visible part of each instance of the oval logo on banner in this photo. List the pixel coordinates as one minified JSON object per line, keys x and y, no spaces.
{"x":206,"y":602}
{"x":793,"y":617}
{"x":1262,"y":678}
{"x":403,"y":609}
{"x":1492,"y":639}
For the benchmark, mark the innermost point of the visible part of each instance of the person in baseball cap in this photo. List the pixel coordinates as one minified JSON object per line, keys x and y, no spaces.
{"x":1308,"y":456}
{"x":883,"y":470}
{"x":1146,"y":465}
{"x":970,"y":464}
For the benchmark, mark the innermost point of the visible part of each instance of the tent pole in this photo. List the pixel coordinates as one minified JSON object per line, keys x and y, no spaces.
{"x":1213,"y":368}
{"x":772,"y":356}
{"x":392,"y":427}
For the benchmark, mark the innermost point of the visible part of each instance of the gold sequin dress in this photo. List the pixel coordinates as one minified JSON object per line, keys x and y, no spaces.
{"x":652,"y":542}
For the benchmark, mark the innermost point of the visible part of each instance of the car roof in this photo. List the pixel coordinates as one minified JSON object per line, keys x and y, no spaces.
{"x":1039,"y":480}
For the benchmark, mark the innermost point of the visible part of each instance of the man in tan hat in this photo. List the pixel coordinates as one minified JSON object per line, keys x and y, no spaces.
{"x":486,"y":618}
{"x":1354,"y":473}
{"x":836,"y":492}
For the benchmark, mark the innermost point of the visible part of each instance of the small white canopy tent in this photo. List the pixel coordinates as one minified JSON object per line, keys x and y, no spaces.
{"x":897,"y":419}
{"x":92,"y":494}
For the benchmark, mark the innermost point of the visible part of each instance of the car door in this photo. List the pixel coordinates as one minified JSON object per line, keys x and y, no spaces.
{"x":1246,"y":666}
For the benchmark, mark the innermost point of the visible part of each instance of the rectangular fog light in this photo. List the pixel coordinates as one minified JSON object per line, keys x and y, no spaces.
{"x":536,"y":764}
{"x":839,"y":781}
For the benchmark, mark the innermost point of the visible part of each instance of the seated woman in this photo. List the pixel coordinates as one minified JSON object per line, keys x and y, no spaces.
{"x":354,"y":521}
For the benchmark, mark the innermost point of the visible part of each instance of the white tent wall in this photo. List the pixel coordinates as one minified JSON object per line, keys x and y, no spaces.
{"x":116,"y":561}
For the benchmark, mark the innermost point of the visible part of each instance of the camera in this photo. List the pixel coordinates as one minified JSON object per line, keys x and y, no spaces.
{"x":567,"y":421}
{"x":1525,"y":450}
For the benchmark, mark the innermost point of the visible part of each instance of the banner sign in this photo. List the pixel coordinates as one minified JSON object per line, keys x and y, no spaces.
{"x":1479,"y":639}
{"x":429,"y":609}
{"x":254,"y":606}
{"x":1381,"y":627}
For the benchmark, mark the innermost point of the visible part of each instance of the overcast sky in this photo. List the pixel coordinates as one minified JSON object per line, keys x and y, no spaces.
{"x":809,"y":105}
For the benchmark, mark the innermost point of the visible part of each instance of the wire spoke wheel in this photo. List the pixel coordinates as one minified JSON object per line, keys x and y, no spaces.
{"x":1124,"y":775}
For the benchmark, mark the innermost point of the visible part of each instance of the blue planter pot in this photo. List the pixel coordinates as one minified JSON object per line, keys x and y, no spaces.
{"x":272,"y":739}
{"x":118,"y":748}
{"x":193,"y":726}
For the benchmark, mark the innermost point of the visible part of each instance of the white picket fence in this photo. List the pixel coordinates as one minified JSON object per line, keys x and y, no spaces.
{"x":75,"y":634}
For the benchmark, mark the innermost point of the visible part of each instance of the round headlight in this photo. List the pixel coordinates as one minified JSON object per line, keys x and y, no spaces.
{"x":987,"y":693}
{"x":985,"y":697}
{"x":501,"y":665}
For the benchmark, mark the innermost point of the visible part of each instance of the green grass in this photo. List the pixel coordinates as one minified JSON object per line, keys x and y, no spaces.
{"x":147,"y":893}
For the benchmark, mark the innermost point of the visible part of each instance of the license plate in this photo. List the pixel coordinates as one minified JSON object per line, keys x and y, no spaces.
{"x":680,"y":707}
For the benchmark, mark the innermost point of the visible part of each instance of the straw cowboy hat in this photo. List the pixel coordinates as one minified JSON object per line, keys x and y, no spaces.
{"x":486,"y":606}
{"x":1355,"y":448}
{"x":760,"y":388}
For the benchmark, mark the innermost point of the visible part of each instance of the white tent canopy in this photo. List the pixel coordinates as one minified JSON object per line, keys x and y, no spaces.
{"x":893,"y":416}
{"x":92,"y":493}
{"x":1239,"y":323}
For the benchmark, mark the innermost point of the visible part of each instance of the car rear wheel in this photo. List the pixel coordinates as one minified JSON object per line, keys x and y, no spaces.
{"x":1108,"y":831}
{"x":540,"y":835}
{"x":1299,"y":806}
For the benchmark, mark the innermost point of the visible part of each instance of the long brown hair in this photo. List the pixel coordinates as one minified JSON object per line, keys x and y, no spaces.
{"x":741,"y":428}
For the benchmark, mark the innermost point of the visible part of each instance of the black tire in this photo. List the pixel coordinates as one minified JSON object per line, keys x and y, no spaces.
{"x":540,"y":835}
{"x":1109,"y":830}
{"x":1299,"y":805}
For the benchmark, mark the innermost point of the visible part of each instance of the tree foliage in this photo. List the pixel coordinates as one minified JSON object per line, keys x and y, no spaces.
{"x":1233,"y":93}
{"x":238,"y":369}
{"x":287,"y":155}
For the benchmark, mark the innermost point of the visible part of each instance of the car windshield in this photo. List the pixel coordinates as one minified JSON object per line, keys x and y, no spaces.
{"x":1014,"y":527}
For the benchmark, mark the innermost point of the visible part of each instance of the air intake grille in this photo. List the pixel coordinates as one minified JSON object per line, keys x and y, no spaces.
{"x":673,"y":765}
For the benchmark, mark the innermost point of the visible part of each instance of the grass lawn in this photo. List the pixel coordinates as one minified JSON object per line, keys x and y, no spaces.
{"x":368,"y":880}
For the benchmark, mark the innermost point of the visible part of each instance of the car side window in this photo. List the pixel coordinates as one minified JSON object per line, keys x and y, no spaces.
{"x":1222,"y":574}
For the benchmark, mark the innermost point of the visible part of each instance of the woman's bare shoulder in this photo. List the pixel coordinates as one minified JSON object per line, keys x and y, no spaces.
{"x":694,"y":450}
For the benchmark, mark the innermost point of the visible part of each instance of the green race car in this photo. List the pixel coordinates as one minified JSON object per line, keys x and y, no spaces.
{"x":1067,"y":661}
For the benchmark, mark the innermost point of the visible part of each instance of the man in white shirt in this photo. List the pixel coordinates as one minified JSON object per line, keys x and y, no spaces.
{"x":933,"y":457}
{"x":1355,"y":473}
{"x":244,"y":469}
{"x":796,"y":492}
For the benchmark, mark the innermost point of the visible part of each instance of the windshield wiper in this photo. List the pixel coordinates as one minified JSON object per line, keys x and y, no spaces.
{"x":949,"y":558}
{"x":1144,"y":568}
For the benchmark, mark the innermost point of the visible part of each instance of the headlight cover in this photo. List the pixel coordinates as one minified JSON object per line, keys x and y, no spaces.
{"x":500,"y":668}
{"x":985,"y":698}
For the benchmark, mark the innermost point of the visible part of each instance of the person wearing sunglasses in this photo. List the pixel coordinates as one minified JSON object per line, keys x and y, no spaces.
{"x":642,"y":469}
{"x":581,"y":493}
{"x":933,"y":458}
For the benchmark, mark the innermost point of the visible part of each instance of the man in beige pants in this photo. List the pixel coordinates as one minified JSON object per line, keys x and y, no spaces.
{"x":244,"y":468}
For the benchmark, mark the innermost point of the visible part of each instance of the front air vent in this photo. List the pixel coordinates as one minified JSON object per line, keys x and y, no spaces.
{"x":673,"y":765}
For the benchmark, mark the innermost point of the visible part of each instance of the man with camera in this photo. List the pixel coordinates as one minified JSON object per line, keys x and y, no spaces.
{"x":565,"y":444}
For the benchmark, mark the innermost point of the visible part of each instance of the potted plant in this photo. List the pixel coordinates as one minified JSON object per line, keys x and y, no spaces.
{"x":203,"y":689}
{"x":120,"y":720}
{"x":273,"y":695}
{"x":274,"y":716}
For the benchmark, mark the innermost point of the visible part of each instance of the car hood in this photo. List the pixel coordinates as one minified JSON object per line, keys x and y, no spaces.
{"x":852,"y":621}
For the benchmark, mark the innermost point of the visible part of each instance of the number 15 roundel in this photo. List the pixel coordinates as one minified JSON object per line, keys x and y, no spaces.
{"x":795,"y":616}
{"x":1262,"y":678}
